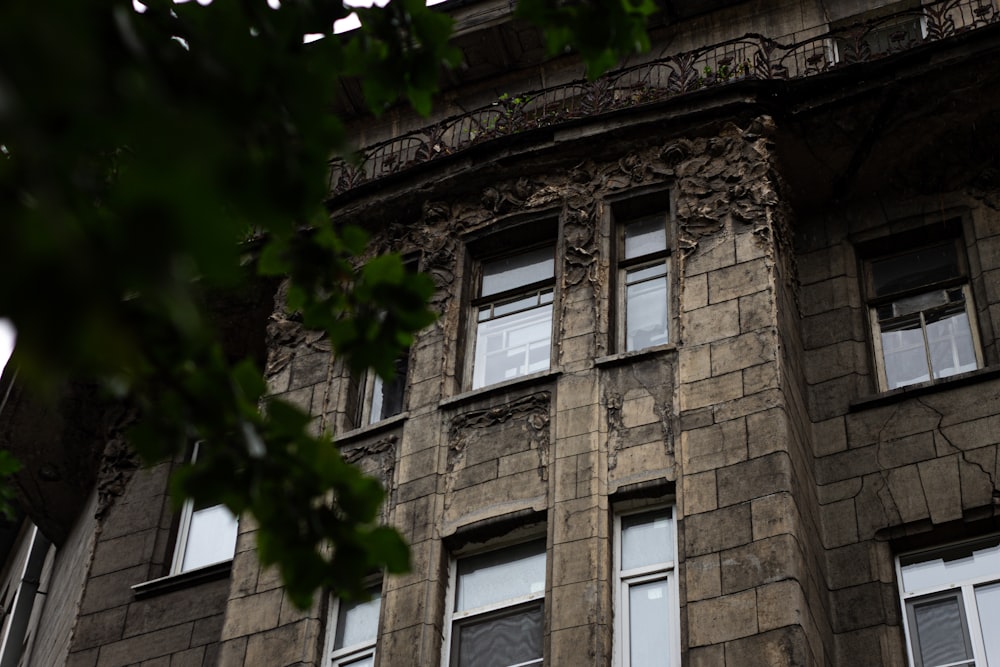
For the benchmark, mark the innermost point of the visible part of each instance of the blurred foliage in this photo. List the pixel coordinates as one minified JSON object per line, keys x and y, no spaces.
{"x":137,"y":148}
{"x":601,"y":31}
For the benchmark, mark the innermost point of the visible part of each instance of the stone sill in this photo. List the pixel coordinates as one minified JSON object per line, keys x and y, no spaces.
{"x":371,"y":429}
{"x":539,"y":378}
{"x":924,"y":388}
{"x":635,"y":355}
{"x":189,"y":579}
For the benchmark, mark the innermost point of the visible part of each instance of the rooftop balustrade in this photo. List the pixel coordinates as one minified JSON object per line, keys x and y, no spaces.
{"x":753,"y":56}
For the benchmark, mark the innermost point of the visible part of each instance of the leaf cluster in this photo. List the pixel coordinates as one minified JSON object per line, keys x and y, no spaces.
{"x":148,"y":158}
{"x":139,"y":150}
{"x":601,"y":31}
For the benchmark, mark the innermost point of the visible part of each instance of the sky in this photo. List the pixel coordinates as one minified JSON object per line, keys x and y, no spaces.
{"x":352,"y":22}
{"x":6,"y":342}
{"x":343,"y":25}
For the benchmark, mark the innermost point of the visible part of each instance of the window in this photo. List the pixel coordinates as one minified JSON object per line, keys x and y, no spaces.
{"x":923,"y":323}
{"x":355,"y":630}
{"x":646,"y":609}
{"x":513,"y":316}
{"x":497,"y":608}
{"x":951,"y":600}
{"x":643,"y":270}
{"x":206,"y":535}
{"x":373,"y":399}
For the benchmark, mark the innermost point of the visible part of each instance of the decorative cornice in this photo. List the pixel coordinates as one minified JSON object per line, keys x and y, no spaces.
{"x":751,"y":57}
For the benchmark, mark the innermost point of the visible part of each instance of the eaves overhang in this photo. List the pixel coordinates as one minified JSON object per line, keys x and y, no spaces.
{"x":755,"y":66}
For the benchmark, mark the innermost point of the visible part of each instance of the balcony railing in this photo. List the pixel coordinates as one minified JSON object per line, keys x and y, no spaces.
{"x":749,"y":57}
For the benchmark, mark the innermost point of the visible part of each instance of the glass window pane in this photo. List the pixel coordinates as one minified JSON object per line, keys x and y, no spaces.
{"x":968,"y":562}
{"x":645,"y":236}
{"x":638,"y":275}
{"x":647,"y":539}
{"x":513,"y":639}
{"x":914,"y":269}
{"x":511,"y":346}
{"x":211,"y":537}
{"x":523,"y":269}
{"x":941,"y":637}
{"x":515,"y":305}
{"x":500,"y":575}
{"x":649,"y":613}
{"x":917,"y":303}
{"x":357,"y":622}
{"x":377,"y":395}
{"x":904,"y":355}
{"x":387,"y":397}
{"x":366,"y":661}
{"x":646,"y":314}
{"x":952,"y":351}
{"x":988,"y":601}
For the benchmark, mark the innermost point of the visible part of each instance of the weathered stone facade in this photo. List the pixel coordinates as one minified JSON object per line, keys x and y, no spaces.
{"x":795,"y":479}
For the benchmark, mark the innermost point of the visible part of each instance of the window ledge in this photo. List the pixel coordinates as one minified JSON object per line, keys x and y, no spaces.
{"x":189,"y":579}
{"x":542,"y":377}
{"x":922,"y":388}
{"x":365,"y":431}
{"x":635,"y":355}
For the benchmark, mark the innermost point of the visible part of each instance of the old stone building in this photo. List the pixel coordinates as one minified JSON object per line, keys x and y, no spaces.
{"x":714,"y":382}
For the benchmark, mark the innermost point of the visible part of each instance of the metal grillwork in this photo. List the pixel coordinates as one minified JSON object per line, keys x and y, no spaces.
{"x":749,"y":57}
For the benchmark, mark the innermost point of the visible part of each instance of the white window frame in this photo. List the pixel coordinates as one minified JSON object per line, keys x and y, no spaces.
{"x":184,"y":533}
{"x":336,"y":657}
{"x":641,"y":262}
{"x":624,"y":580}
{"x":963,"y":589}
{"x":874,"y":302}
{"x":454,"y":618}
{"x":544,"y":293}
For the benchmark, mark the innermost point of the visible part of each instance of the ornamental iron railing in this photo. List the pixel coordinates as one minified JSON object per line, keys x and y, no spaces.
{"x":752,"y":56}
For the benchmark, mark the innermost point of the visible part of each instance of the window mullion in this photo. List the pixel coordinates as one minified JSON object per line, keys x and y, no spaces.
{"x":643,"y":259}
{"x":521,"y":290}
{"x":974,"y":625}
{"x":647,"y":571}
{"x":183,"y":529}
{"x":504,"y":604}
{"x":927,"y":346}
{"x":353,"y":652}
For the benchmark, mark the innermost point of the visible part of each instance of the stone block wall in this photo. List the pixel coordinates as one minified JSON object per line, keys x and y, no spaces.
{"x":755,"y":590}
{"x":261,"y":625}
{"x":912,"y":467}
{"x":133,"y":545}
{"x":65,"y":582}
{"x":715,"y":422}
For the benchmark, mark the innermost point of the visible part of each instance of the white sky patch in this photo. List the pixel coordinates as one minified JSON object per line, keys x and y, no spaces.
{"x":343,"y":25}
{"x":7,"y":336}
{"x":351,"y":22}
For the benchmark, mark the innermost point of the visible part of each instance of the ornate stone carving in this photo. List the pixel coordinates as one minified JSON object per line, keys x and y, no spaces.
{"x":533,"y":411}
{"x":616,"y":427}
{"x":377,"y":458}
{"x":729,"y":178}
{"x":118,"y":461}
{"x":508,"y":196}
{"x":436,"y":211}
{"x":579,"y":229}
